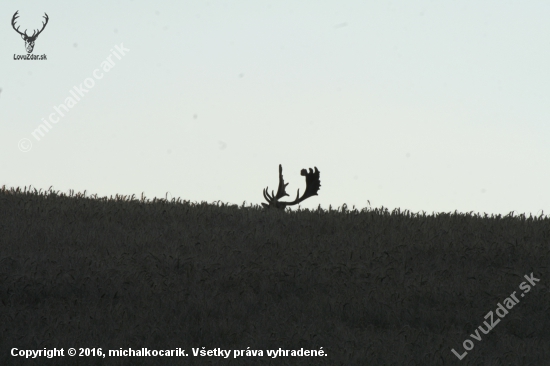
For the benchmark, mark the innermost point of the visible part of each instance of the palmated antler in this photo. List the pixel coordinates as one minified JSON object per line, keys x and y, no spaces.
{"x":312,"y":187}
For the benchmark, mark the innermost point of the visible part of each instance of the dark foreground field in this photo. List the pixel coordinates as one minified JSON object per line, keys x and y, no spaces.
{"x":364,"y":288}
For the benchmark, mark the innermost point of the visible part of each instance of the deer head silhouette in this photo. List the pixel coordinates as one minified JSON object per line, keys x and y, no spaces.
{"x":313,"y":183}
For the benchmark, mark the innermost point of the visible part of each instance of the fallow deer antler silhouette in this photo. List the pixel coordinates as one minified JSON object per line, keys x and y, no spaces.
{"x":313,"y":184}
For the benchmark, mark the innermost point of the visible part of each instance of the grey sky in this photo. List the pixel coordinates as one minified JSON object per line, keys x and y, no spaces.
{"x":421,"y":105}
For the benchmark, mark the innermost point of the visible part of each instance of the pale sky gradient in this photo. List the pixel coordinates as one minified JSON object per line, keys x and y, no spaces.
{"x":423,"y":105}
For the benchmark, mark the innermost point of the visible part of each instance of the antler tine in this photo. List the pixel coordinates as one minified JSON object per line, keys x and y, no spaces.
{"x":13,"y":19}
{"x":267,"y":197}
{"x":297,"y":195}
{"x":44,"y":23}
{"x":281,"y":190}
{"x":43,"y":26}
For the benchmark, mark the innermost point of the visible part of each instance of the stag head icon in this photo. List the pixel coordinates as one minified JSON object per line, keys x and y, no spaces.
{"x":313,"y":183}
{"x":29,"y":40}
